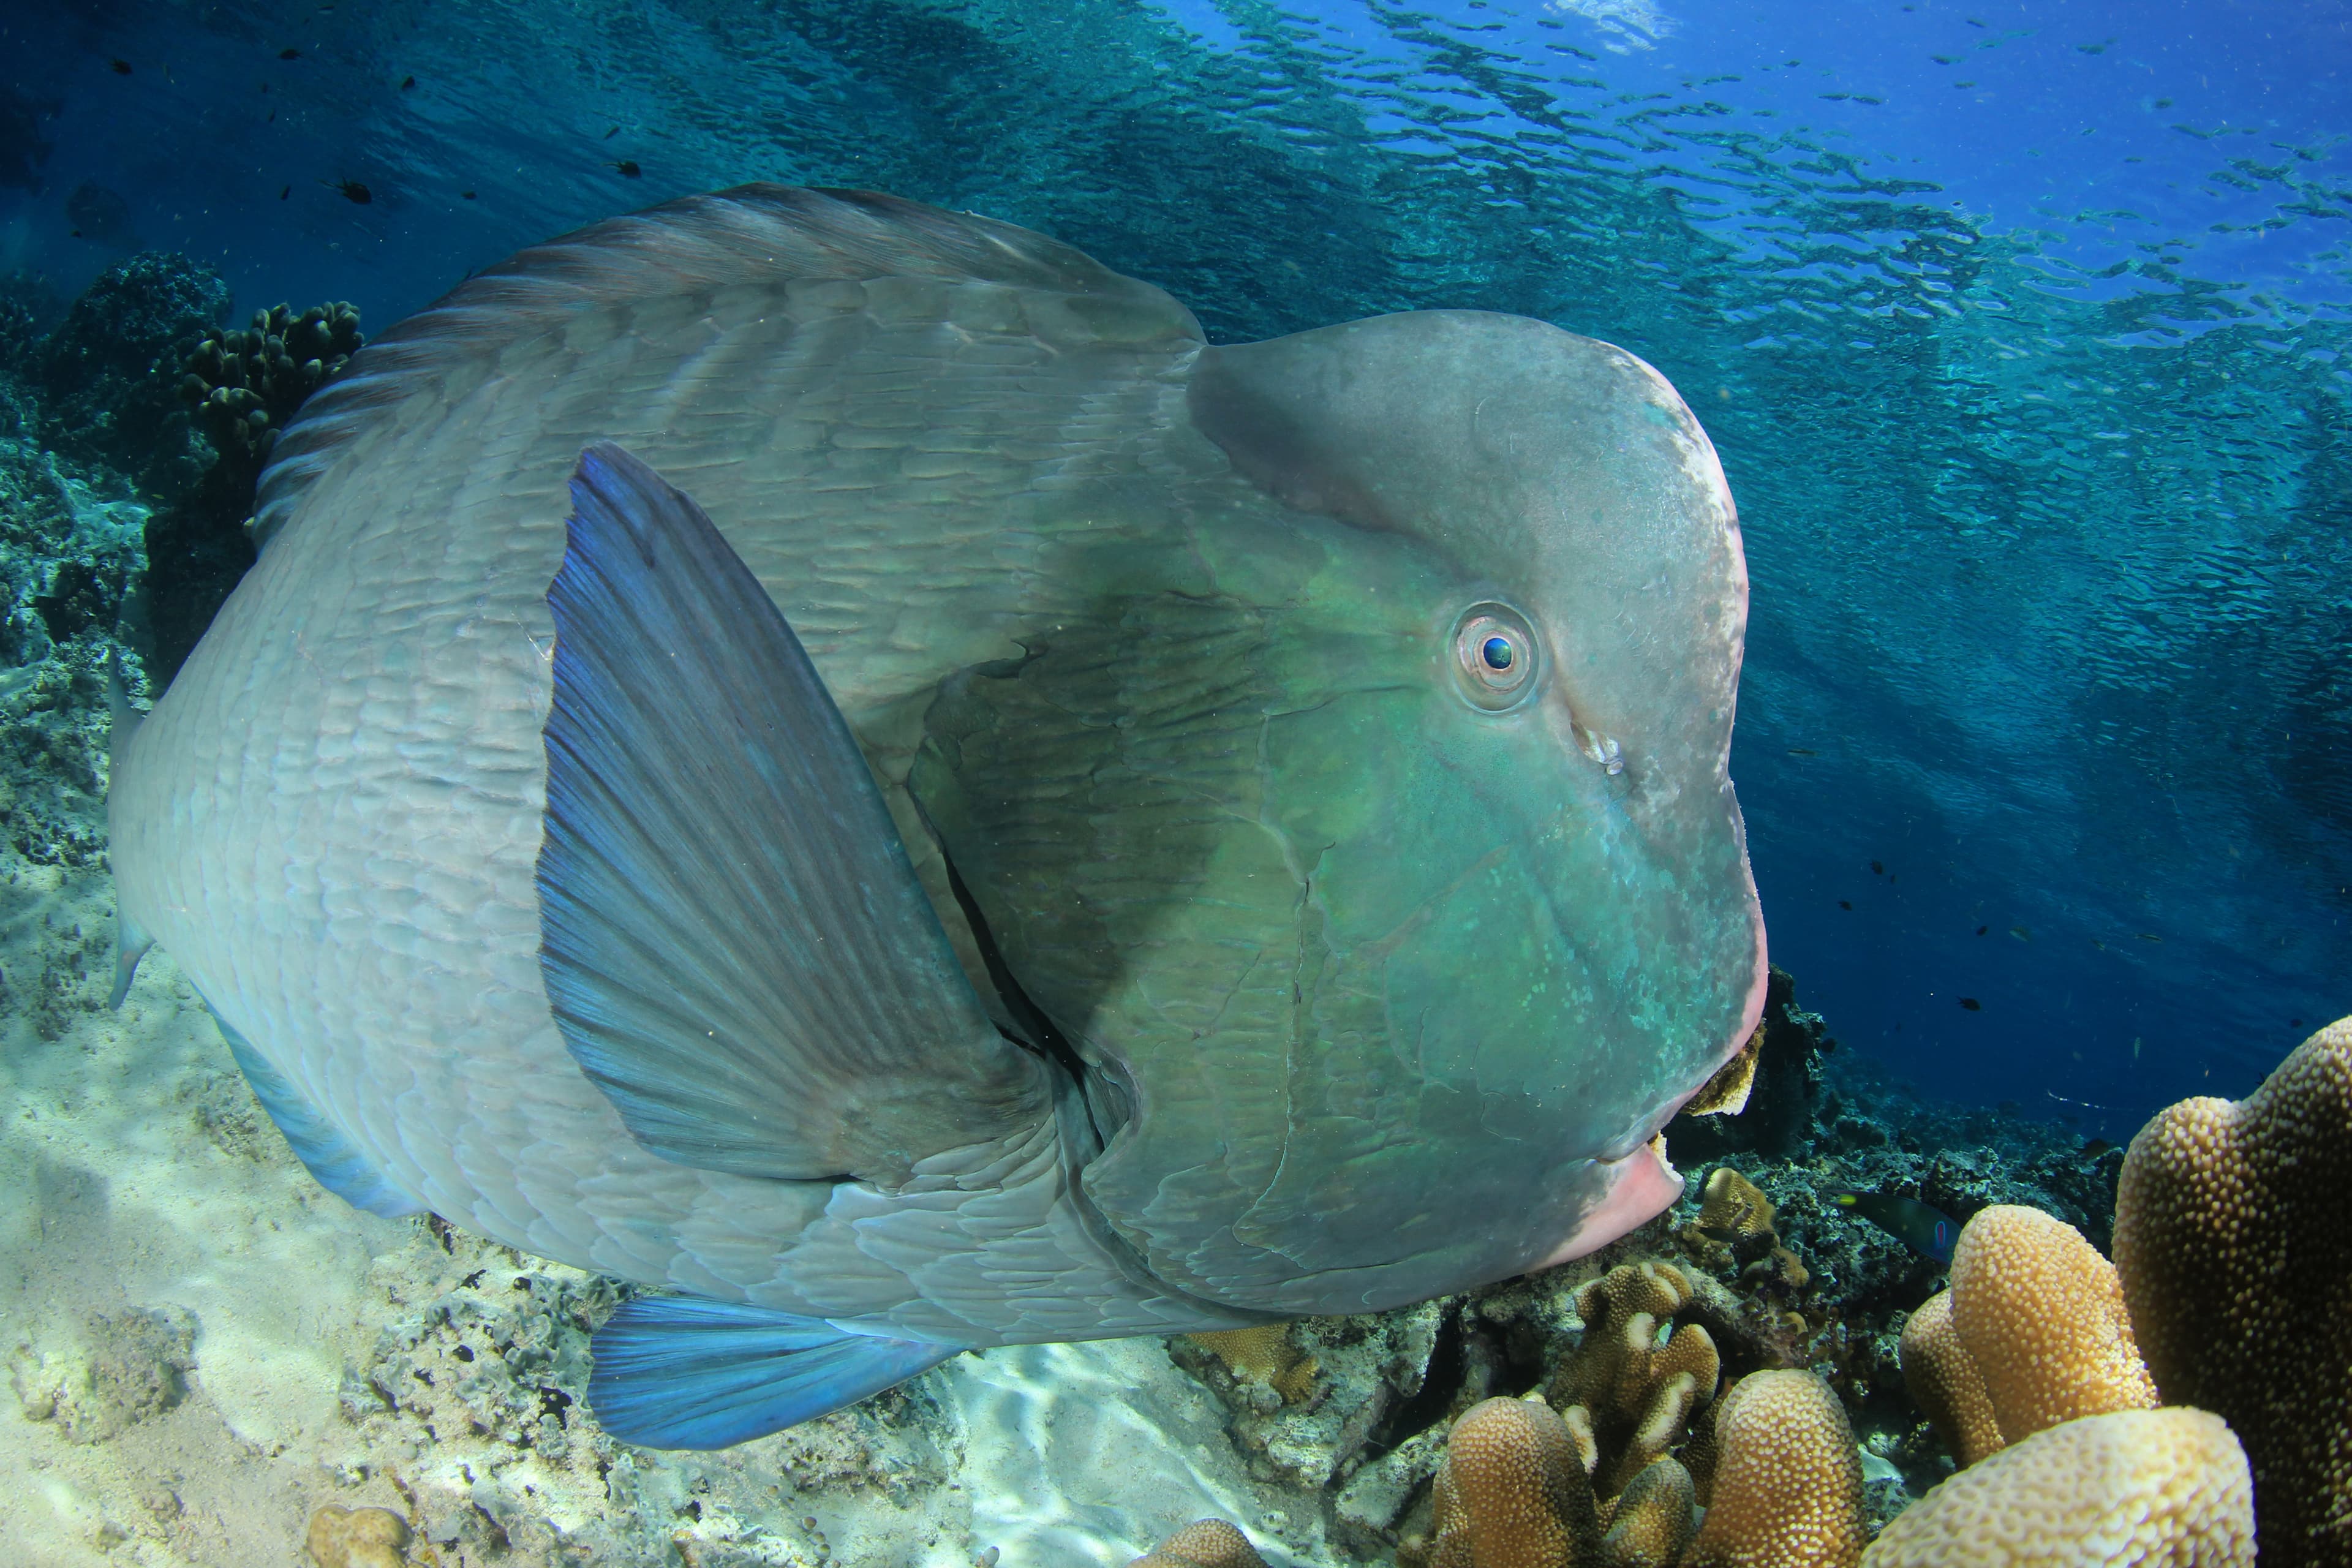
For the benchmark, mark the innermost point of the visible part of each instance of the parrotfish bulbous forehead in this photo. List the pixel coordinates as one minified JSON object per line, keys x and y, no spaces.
{"x":833,"y":756}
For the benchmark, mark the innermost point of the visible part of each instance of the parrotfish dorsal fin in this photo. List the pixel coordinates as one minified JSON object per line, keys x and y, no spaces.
{"x":735,"y":946}
{"x":753,"y":233}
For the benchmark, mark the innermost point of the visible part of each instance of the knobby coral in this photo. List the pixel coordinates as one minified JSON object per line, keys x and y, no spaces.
{"x":1264,"y":1352}
{"x":2236,"y":1261}
{"x":1652,"y":1521}
{"x":1944,"y":1383}
{"x":2119,"y":1490}
{"x":1514,"y":1491}
{"x":1788,"y":1481}
{"x":1203,"y":1543}
{"x":2042,"y":1316}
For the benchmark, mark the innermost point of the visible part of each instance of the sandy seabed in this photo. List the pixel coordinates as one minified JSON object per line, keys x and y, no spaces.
{"x":202,"y":1348}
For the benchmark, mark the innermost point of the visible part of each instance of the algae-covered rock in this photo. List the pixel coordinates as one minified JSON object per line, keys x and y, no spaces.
{"x":116,"y":1369}
{"x":107,"y":372}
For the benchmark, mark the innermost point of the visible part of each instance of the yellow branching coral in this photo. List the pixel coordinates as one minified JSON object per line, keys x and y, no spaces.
{"x":1652,"y":1521}
{"x":2041,"y":1314}
{"x":1788,"y":1482}
{"x":1944,"y":1383}
{"x":2237,"y":1264}
{"x":1734,"y":1207}
{"x":1726,"y":1094}
{"x":2119,"y":1490}
{"x":1264,"y":1352}
{"x":1638,"y":1394}
{"x":1204,"y":1544}
{"x":1512,"y":1492}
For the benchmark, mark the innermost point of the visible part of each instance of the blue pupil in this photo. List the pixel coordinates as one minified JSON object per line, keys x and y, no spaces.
{"x":1497,"y":652}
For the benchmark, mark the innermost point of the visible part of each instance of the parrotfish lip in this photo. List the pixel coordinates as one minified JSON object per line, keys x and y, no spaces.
{"x":1640,"y":1186}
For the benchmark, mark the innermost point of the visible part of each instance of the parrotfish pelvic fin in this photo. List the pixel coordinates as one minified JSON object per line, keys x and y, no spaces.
{"x":132,"y":943}
{"x":679,"y":1371}
{"x":131,"y":938}
{"x":325,"y":1152}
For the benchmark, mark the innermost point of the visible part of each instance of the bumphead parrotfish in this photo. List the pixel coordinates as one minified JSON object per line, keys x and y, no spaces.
{"x":1069,"y":832}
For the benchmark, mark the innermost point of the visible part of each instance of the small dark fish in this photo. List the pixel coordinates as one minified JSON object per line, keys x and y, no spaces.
{"x":1926,"y":1231}
{"x":352,"y":191}
{"x":270,"y":118}
{"x":1946,"y":59}
{"x":1981,"y":930}
{"x":1876,"y":869}
{"x":2097,"y":1147}
{"x":289,"y":54}
{"x":629,"y":170}
{"x":2148,"y":936}
{"x":612,"y":133}
{"x":466,"y":196}
{"x":406,"y":82}
{"x":1802,"y":752}
{"x":121,"y":67}
{"x":285,"y":191}
{"x":1972,"y":1005}
{"x":1845,"y":904}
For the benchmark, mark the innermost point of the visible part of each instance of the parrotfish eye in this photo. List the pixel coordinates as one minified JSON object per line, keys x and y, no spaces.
{"x":1496,"y":656}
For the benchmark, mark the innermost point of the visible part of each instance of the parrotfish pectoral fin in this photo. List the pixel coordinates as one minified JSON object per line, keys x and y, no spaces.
{"x":736,"y":948}
{"x":325,"y":1152}
{"x":132,"y":943}
{"x":678,"y":1372}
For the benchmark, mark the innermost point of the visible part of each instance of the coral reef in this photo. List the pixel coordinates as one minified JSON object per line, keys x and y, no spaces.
{"x":1204,"y":1544}
{"x":1308,"y":1398}
{"x":357,"y":1538}
{"x":1513,"y":1492}
{"x":2237,"y":1266}
{"x":2119,"y":1490}
{"x":1653,"y":1519}
{"x":1764,"y":1100}
{"x":1787,"y":1489}
{"x":106,"y":372}
{"x":2042,"y":1316}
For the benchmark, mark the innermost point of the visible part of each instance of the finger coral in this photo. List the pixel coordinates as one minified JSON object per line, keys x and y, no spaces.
{"x":244,"y":386}
{"x":2236,"y":1263}
{"x":1513,"y":1492}
{"x":1944,"y":1383}
{"x":2042,"y":1315}
{"x":1638,"y":1393}
{"x":1788,"y":1482}
{"x":2117,"y":1490}
{"x":1203,"y":1543}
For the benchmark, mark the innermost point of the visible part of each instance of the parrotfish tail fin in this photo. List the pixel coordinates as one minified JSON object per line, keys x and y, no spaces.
{"x":326,"y":1154}
{"x":678,"y":1372}
{"x":131,"y":940}
{"x":737,"y":949}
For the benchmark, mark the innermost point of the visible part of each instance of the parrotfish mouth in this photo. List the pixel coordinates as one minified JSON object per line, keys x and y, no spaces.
{"x":1641,"y":1187}
{"x":1643,"y":1184}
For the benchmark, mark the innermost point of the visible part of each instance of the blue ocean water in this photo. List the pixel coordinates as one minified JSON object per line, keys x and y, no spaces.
{"x":2020,"y":329}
